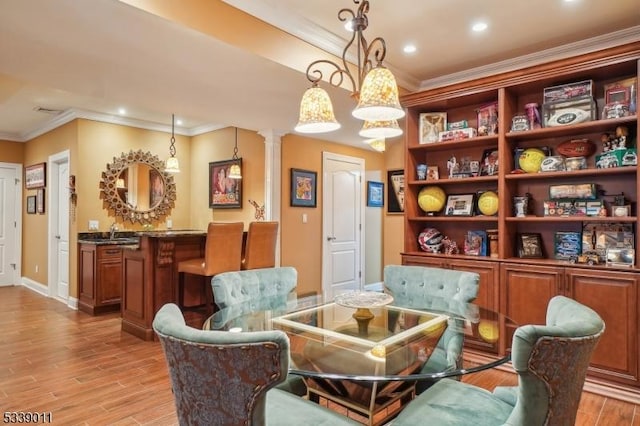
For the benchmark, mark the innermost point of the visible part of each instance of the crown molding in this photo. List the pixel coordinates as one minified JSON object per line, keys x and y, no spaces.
{"x":74,"y":113}
{"x":617,"y":38}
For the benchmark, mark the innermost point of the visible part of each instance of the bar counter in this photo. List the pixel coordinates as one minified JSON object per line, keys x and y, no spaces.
{"x":150,"y":275}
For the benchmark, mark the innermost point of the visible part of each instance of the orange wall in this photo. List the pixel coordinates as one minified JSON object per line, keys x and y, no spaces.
{"x":218,"y":146}
{"x":302,"y":242}
{"x":11,"y":152}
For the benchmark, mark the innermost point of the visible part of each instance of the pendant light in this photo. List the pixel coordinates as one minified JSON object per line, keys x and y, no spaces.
{"x":172,"y":164}
{"x":235,"y":172}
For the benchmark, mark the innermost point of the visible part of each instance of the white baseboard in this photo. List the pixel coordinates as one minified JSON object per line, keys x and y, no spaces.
{"x":43,"y":290}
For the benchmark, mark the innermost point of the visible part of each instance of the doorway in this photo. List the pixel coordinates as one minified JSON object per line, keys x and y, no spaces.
{"x":10,"y":223}
{"x":342,"y":223}
{"x":58,"y":208}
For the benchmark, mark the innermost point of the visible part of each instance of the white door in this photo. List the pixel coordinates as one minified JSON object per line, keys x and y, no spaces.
{"x":9,"y":238}
{"x":342,"y":223}
{"x":59,"y":226}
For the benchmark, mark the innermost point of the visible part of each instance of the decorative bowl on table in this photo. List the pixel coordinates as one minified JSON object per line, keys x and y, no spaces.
{"x":363,"y":299}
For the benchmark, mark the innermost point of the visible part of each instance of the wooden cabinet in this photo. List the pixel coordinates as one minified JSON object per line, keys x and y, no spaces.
{"x":522,"y":287}
{"x":526,"y":291}
{"x":100,"y":278}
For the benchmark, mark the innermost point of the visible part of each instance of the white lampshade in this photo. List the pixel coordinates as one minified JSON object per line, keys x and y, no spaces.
{"x":172,"y":165}
{"x":379,"y":97}
{"x":235,"y":172}
{"x":378,"y":144}
{"x":316,"y":112}
{"x":380,"y":129}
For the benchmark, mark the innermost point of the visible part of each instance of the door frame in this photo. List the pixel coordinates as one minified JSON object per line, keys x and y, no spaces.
{"x":52,"y":208}
{"x":325,"y":194}
{"x":18,"y":176}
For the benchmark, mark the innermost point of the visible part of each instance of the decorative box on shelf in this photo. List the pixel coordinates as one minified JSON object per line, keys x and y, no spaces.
{"x":568,"y":91}
{"x":454,"y":135}
{"x":574,"y":111}
{"x":617,"y":158}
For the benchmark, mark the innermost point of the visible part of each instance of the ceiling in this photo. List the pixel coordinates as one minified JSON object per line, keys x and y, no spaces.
{"x":87,"y":59}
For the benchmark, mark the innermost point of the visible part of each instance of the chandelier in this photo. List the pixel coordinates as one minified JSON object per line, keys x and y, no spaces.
{"x":172,"y":164}
{"x":372,"y":85}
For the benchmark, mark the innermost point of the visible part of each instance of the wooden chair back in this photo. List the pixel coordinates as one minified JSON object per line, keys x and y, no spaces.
{"x":260,"y":251}
{"x":223,"y":248}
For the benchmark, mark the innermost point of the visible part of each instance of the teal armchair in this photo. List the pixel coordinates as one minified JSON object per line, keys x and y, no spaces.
{"x":551,"y":362}
{"x":438,"y":289}
{"x":224,"y":378}
{"x":239,"y":292}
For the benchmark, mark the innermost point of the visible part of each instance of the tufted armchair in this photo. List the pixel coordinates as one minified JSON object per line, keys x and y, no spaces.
{"x":237,"y":292}
{"x":437,"y":289}
{"x":222,"y":378}
{"x":551,"y":361}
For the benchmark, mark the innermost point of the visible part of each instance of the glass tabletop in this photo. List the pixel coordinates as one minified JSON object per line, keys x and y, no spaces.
{"x":388,"y":341}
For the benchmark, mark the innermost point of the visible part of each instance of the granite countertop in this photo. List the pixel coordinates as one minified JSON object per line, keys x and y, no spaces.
{"x":170,"y":233}
{"x":132,"y":238}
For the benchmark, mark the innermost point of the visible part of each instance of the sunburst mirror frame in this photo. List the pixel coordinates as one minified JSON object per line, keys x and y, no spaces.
{"x":109,"y":190}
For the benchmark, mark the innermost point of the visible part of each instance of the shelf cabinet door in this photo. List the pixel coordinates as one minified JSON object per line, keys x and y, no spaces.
{"x":614,"y":296}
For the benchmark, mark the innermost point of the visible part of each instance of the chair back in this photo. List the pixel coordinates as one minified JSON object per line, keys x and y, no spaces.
{"x":552,"y":361}
{"x":223,"y":247}
{"x":220,"y":378}
{"x":233,"y":288}
{"x":260,"y":251}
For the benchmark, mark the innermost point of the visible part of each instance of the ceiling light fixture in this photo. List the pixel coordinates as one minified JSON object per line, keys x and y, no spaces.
{"x":479,"y":26}
{"x":378,"y":144}
{"x":380,"y":129}
{"x":235,"y":171}
{"x":172,"y":164}
{"x":374,"y":87}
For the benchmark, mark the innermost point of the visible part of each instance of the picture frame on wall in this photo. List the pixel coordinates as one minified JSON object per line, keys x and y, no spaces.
{"x":31,"y":204}
{"x":530,"y":245}
{"x":375,"y":194}
{"x":395,"y":191}
{"x":40,"y":200}
{"x":431,"y":124}
{"x":35,"y":176}
{"x":303,"y":188}
{"x":224,"y":192}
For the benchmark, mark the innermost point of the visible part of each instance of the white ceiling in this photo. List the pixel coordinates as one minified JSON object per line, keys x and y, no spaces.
{"x":87,"y":58}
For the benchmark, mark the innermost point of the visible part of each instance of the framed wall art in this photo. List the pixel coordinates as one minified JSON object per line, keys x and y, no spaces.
{"x":224,"y":192}
{"x":459,"y":205}
{"x":31,"y":204}
{"x":40,"y":200}
{"x":530,"y":245}
{"x":395,"y":191}
{"x":35,"y":176}
{"x":375,"y":194}
{"x":431,"y":124}
{"x":303,"y":188}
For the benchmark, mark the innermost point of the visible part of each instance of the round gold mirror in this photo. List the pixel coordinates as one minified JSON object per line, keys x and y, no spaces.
{"x":136,"y":187}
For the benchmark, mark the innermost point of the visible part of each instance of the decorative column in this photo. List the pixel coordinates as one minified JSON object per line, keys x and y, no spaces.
{"x":273,"y":178}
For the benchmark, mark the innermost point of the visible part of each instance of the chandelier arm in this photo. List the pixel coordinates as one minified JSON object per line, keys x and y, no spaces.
{"x":379,"y":52}
{"x":336,"y":78}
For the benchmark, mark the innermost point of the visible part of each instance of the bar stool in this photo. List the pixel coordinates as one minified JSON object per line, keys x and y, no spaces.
{"x":222,"y":253}
{"x":260,"y":251}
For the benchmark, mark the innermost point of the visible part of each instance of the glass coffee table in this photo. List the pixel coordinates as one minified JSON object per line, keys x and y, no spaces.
{"x":368,"y":357}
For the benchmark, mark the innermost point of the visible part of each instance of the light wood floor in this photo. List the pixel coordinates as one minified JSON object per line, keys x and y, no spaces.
{"x":84,"y":370}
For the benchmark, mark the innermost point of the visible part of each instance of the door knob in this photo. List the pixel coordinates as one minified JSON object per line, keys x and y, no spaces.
{"x":331,"y":238}
{"x":57,"y":237}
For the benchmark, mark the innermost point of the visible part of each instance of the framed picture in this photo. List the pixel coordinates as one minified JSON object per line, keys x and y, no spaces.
{"x":489,"y":162}
{"x":35,"y":176}
{"x":31,"y":204}
{"x":432,"y":173}
{"x":303,"y":188}
{"x":431,"y":124}
{"x":224,"y":192}
{"x":395,"y":191}
{"x":530,"y":245}
{"x":460,"y":205}
{"x":156,"y":188}
{"x":40,"y":200}
{"x":375,"y":194}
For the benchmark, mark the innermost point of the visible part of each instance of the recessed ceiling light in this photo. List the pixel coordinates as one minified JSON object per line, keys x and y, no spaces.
{"x":479,"y":26}
{"x":122,"y":111}
{"x":409,"y":48}
{"x":179,"y":122}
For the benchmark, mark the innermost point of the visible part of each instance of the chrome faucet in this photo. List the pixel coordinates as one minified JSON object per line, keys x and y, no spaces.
{"x":112,"y":230}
